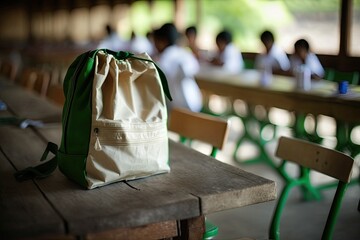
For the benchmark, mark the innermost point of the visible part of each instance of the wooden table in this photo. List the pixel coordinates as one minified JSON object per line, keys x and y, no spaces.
{"x":321,"y":99}
{"x":167,"y":205}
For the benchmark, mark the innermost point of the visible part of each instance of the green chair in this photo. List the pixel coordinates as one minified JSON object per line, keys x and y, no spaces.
{"x":344,"y":129}
{"x":336,"y":76}
{"x":311,"y":156}
{"x":249,"y":63}
{"x":253,"y":130}
{"x":203,"y":127}
{"x":329,"y":74}
{"x":351,"y":77}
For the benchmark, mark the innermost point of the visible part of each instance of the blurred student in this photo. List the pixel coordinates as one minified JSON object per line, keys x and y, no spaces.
{"x":274,"y":58}
{"x":179,"y":66}
{"x":140,"y":44}
{"x":113,"y":41}
{"x":303,"y":56}
{"x":228,"y":56}
{"x":191,"y":35}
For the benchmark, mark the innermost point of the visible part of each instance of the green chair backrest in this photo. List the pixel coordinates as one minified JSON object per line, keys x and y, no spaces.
{"x":329,"y":74}
{"x":312,"y":156}
{"x":351,"y":77}
{"x":249,"y":63}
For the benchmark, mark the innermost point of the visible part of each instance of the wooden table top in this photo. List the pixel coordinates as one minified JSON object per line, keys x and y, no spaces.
{"x":21,"y":103}
{"x":321,"y":99}
{"x":196,"y":185}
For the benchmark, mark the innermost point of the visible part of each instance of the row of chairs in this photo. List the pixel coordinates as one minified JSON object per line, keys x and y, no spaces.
{"x":214,"y":131}
{"x":42,"y":82}
{"x":8,"y":69}
{"x":336,"y":76}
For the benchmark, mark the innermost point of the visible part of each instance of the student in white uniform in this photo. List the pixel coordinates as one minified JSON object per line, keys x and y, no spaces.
{"x":303,"y":56}
{"x":140,"y":44}
{"x":228,"y":57}
{"x":191,"y":36}
{"x":179,"y":66}
{"x":274,"y":57}
{"x":113,"y":41}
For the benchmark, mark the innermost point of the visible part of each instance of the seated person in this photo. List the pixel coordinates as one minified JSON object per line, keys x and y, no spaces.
{"x":113,"y":41}
{"x":303,"y":56}
{"x":140,"y":44}
{"x":191,"y":34}
{"x":274,"y":57}
{"x":179,"y":66}
{"x":228,"y":57}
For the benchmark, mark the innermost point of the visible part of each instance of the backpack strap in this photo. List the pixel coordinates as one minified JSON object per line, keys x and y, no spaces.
{"x":42,"y":170}
{"x":11,"y":121}
{"x":121,"y":55}
{"x":20,"y":122}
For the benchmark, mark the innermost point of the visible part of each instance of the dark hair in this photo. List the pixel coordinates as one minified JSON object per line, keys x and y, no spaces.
{"x":108,"y":29}
{"x":224,"y":36}
{"x":302,"y":43}
{"x":267,"y":36}
{"x":168,"y":33}
{"x":191,"y":30}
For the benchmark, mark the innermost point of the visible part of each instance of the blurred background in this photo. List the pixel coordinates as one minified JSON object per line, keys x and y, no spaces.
{"x":48,"y":26}
{"x":47,"y":35}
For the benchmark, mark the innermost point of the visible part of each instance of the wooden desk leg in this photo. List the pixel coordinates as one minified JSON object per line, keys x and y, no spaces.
{"x":192,"y":229}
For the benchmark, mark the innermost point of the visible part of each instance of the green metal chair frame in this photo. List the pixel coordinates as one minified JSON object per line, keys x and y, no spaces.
{"x":249,"y":63}
{"x":343,"y":129}
{"x":351,"y":77}
{"x":311,"y":156}
{"x":336,"y":76}
{"x":255,"y":138}
{"x":206,"y":128}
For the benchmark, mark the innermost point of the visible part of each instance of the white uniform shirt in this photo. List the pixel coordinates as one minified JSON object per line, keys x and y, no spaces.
{"x":113,"y":42}
{"x":312,"y":62}
{"x":180,"y":66}
{"x":141,"y":44}
{"x":276,"y":58}
{"x":232,"y":59}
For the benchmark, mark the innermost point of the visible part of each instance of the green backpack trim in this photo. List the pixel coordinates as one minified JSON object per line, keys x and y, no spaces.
{"x":76,"y":121}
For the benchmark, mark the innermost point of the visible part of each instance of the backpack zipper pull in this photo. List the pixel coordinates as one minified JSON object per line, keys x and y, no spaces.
{"x":97,"y":141}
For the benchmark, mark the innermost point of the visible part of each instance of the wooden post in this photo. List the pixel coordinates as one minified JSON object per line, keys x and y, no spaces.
{"x":345,"y":29}
{"x":30,"y":16}
{"x":179,"y":14}
{"x":192,"y":229}
{"x":198,"y":13}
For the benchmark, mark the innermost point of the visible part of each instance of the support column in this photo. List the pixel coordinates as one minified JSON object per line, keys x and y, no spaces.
{"x":345,"y":29}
